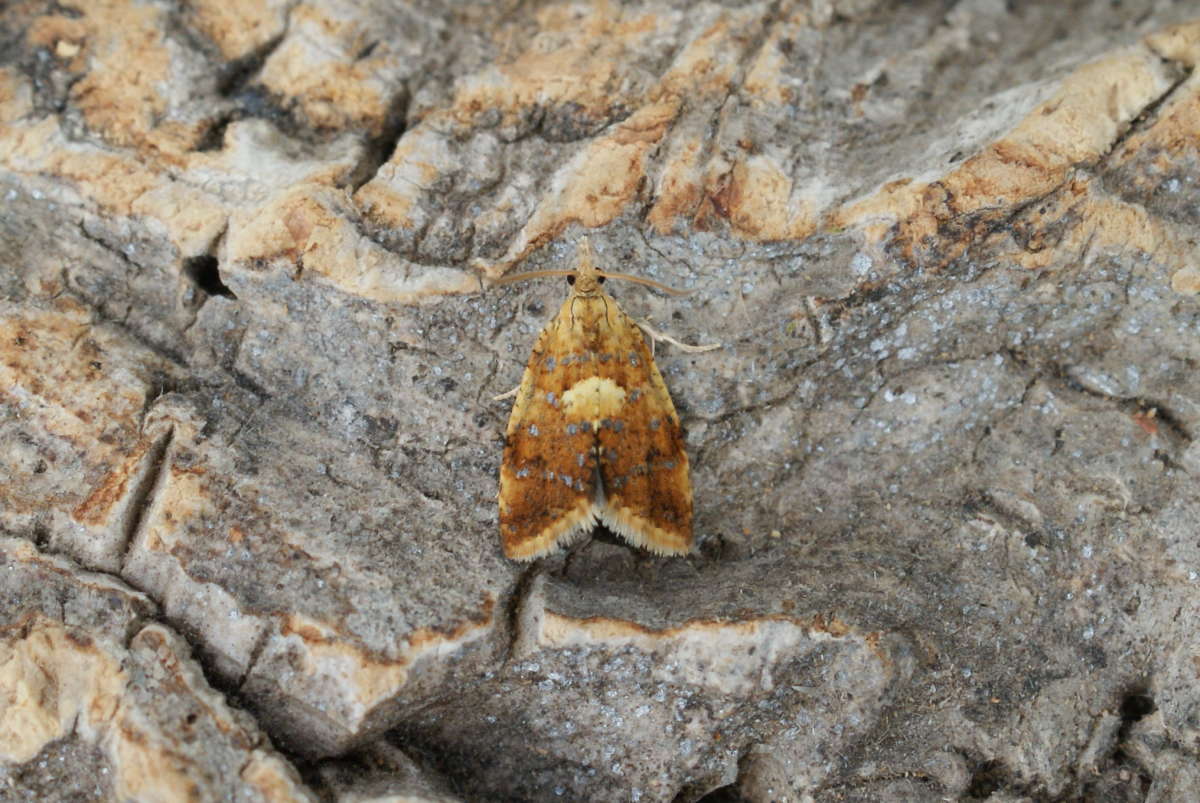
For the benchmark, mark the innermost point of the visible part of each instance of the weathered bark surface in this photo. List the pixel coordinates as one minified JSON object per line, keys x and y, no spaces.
{"x":944,"y":469}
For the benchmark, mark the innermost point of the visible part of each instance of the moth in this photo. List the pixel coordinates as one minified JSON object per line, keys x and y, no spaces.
{"x":593,"y":436}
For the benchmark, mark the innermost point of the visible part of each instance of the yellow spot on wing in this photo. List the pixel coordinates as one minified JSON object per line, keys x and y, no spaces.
{"x":593,"y":398}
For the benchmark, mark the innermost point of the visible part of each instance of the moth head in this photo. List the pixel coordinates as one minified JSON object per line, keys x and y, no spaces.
{"x":586,"y":279}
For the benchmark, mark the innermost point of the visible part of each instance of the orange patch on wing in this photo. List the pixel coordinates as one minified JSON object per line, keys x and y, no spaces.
{"x":593,"y":436}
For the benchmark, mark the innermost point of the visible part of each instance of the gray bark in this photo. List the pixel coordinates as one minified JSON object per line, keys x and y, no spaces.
{"x":944,"y":463}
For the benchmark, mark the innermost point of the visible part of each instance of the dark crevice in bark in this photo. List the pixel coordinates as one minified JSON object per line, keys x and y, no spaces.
{"x":260,"y":643}
{"x":1146,"y":116}
{"x":1137,"y":406}
{"x":379,"y":149}
{"x":143,"y":494}
{"x":1137,"y":704}
{"x":204,"y":272}
{"x":515,"y":607}
{"x":236,"y":75}
{"x":723,"y":794}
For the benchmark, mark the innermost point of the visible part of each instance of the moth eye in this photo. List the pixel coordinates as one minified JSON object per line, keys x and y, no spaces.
{"x":601,"y":279}
{"x":571,"y":279}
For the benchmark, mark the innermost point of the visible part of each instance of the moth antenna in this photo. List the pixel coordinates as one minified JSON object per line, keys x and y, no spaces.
{"x":641,"y":280}
{"x":541,"y":274}
{"x":533,"y":274}
{"x":584,"y":254}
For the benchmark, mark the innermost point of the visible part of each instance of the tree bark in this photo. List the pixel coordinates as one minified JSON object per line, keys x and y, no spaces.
{"x":943,"y":464}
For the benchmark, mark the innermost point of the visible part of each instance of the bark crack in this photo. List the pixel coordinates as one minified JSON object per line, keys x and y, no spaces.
{"x":1143,"y":119}
{"x":144,"y":493}
{"x":515,"y":606}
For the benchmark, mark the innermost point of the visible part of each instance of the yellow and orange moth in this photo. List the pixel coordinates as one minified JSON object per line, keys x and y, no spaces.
{"x":593,"y":436}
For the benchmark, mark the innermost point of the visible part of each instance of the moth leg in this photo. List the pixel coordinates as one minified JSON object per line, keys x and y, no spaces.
{"x":507,"y":395}
{"x":655,"y":336}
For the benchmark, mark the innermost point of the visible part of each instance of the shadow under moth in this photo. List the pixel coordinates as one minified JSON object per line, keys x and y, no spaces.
{"x":593,"y":436}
